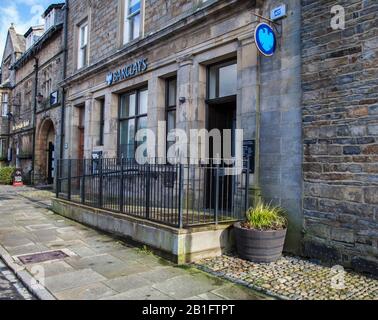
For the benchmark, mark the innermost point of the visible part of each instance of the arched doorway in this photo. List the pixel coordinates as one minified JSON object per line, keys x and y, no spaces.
{"x":45,"y":152}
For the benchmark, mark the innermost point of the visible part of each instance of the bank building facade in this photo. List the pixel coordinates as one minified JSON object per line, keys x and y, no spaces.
{"x":291,"y":92}
{"x":192,"y":65}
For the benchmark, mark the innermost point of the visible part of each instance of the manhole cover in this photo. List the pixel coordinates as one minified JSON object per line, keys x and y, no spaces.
{"x":42,"y":256}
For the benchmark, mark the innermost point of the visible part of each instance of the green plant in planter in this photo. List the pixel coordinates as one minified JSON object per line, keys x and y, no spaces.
{"x":265,"y":217}
{"x":6,"y":175}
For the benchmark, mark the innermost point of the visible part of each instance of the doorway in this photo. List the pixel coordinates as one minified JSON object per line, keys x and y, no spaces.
{"x":45,"y":153}
{"x":50,"y":155}
{"x":221,"y":115}
{"x":50,"y":164}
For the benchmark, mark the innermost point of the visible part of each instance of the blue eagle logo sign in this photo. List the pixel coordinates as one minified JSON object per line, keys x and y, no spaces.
{"x":265,"y":39}
{"x":109,"y":78}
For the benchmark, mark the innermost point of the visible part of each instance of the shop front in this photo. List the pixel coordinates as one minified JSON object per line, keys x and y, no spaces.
{"x":190,"y":106}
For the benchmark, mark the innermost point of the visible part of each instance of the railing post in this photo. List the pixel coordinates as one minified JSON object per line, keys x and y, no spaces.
{"x":69,"y":179}
{"x":246,"y":200}
{"x":100,"y":194}
{"x":82,"y":190}
{"x":148,"y":176}
{"x":121,"y":186}
{"x":216,"y":204}
{"x":181,"y":195}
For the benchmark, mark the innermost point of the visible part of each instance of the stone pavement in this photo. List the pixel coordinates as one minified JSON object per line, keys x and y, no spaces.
{"x":294,"y":278}
{"x":10,"y":287}
{"x":97,"y":266}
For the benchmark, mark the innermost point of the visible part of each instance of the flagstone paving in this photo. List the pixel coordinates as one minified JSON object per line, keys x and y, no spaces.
{"x":98,"y":266}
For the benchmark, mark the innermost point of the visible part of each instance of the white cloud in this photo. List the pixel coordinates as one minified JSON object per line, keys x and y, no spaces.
{"x":10,"y":13}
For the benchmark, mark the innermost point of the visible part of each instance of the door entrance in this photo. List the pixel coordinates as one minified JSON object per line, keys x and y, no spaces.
{"x":221,"y":116}
{"x":50,"y":163}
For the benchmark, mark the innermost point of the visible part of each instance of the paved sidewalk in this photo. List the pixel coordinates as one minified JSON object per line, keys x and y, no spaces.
{"x":97,"y":266}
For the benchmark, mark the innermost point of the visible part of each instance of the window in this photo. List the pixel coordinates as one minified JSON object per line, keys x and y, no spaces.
{"x":171,"y":96}
{"x":222,"y":80}
{"x":4,"y":107}
{"x":25,"y":146}
{"x":32,"y":38}
{"x":50,"y":19}
{"x":133,"y":117}
{"x":83,"y":46}
{"x":102,"y":121}
{"x":47,"y":82}
{"x":2,"y":149}
{"x":132,"y":20}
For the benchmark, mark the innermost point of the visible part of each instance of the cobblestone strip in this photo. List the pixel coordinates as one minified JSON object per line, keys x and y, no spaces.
{"x":294,"y":278}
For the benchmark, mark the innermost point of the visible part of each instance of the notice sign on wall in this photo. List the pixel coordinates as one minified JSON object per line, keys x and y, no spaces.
{"x":17,"y":178}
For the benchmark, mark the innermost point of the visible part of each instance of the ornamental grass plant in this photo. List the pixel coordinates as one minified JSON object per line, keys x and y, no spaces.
{"x":265,"y":217}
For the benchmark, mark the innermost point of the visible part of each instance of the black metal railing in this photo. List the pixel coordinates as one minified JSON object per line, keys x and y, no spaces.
{"x":179,"y":195}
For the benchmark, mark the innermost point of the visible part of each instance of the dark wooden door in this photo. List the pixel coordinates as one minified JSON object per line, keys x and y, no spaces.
{"x":221,"y":116}
{"x":50,"y":163}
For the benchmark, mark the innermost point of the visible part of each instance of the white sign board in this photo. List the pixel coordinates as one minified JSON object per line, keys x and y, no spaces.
{"x":278,"y":12}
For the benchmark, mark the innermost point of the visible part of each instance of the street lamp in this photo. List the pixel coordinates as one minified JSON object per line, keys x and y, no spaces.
{"x":39,"y":97}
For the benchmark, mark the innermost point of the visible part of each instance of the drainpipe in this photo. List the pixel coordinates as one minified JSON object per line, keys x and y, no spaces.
{"x":65,"y":31}
{"x":34,"y":117}
{"x":256,"y":187}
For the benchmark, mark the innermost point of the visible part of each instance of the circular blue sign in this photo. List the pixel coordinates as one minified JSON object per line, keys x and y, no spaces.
{"x":265,"y":39}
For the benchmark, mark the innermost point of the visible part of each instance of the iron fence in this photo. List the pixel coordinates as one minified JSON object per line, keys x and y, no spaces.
{"x":179,"y":195}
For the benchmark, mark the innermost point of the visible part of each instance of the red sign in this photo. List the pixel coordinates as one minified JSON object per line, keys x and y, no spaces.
{"x":17,"y":178}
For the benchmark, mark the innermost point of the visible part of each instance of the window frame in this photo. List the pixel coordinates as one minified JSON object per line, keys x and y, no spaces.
{"x":3,"y":145}
{"x":82,"y":60}
{"x":4,"y":103}
{"x":137,"y":116}
{"x":169,"y":108}
{"x":127,"y":19}
{"x":50,"y":20}
{"x":218,"y":66}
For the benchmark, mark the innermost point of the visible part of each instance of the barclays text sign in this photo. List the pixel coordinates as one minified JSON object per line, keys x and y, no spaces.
{"x":127,"y":71}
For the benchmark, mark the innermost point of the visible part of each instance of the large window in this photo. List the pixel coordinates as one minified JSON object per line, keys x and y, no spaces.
{"x":132,"y":20}
{"x":4,"y":107}
{"x":102,"y":121}
{"x":222,"y":80}
{"x":133,"y":117}
{"x":171,"y":96}
{"x":83,"y":46}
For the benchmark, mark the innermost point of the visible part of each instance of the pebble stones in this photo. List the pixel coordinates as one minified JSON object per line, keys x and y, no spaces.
{"x":295,"y":278}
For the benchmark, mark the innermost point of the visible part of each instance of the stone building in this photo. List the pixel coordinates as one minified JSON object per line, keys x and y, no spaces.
{"x":310,"y":109}
{"x":180,"y":50}
{"x":36,"y":107}
{"x":14,"y":47}
{"x":340,"y":133}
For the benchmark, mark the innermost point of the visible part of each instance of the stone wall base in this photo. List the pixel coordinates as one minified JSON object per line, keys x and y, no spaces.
{"x":178,"y":245}
{"x":334,"y":256}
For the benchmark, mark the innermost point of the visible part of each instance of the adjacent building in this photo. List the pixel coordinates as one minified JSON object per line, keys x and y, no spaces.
{"x":33,"y":116}
{"x":14,"y":47}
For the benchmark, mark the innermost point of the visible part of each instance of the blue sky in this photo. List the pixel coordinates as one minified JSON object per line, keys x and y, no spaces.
{"x":23,"y":13}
